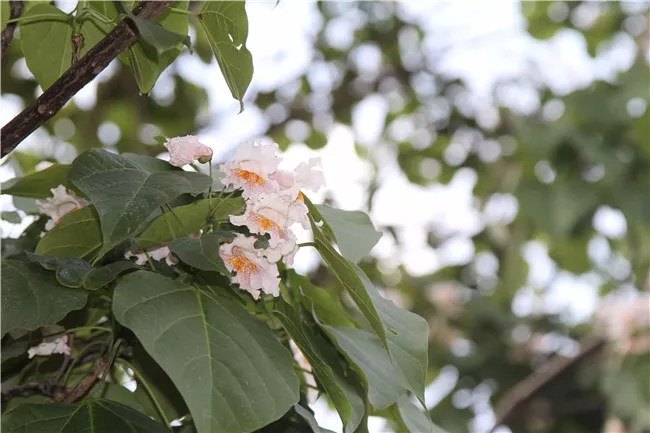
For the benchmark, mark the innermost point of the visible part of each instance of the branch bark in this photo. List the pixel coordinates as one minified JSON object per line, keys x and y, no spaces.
{"x":528,"y":387}
{"x":15,"y":11}
{"x":75,"y":78}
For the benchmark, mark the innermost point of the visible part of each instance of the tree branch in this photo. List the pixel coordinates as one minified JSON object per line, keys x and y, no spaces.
{"x":75,"y":78}
{"x":527,"y":388}
{"x":15,"y":11}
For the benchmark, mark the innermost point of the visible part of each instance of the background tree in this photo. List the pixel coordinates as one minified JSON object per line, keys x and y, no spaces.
{"x":544,"y":175}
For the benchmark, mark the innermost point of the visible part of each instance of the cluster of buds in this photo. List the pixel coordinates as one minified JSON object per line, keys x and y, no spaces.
{"x":274,"y":203}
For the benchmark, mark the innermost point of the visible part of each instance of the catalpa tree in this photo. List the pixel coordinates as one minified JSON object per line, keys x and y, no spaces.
{"x":157,"y":296}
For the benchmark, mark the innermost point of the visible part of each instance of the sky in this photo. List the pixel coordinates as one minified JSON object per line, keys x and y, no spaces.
{"x":489,"y":44}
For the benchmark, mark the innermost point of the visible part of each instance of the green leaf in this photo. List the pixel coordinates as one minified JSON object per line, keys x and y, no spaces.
{"x":12,"y":349}
{"x":327,"y":367}
{"x":321,"y":303}
{"x":124,"y":194}
{"x":145,"y":61}
{"x":77,"y":235}
{"x":76,"y":273}
{"x":25,"y":204}
{"x":188,"y":219}
{"x":46,"y":43}
{"x":365,"y":350}
{"x":308,"y":416}
{"x":150,"y":163}
{"x":93,"y":31}
{"x":38,"y":184}
{"x":202,"y":253}
{"x":233,"y":373}
{"x":11,"y":217}
{"x":347,"y":276}
{"x":91,"y":415}
{"x":354,"y":233}
{"x":403,"y":333}
{"x":225,"y":24}
{"x":31,"y":297}
{"x":156,"y":35}
{"x":413,"y":418}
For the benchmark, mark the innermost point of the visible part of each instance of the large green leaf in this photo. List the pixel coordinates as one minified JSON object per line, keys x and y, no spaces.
{"x":31,"y":297}
{"x":124,"y":194}
{"x":365,"y":350}
{"x":188,"y":219}
{"x":354,"y":233}
{"x":327,"y":367}
{"x":150,"y":163}
{"x":46,"y":43}
{"x":225,"y":24}
{"x":202,"y":253}
{"x":233,"y":373}
{"x":346,"y":274}
{"x":38,"y":184}
{"x":91,"y":415}
{"x":77,"y":235}
{"x":413,"y":418}
{"x":403,"y":333}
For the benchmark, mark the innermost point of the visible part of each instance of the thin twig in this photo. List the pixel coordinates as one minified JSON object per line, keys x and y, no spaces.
{"x":527,"y":388}
{"x":75,"y":78}
{"x":15,"y":11}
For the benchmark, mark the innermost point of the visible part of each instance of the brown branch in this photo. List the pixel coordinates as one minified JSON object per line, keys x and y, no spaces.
{"x":75,"y":78}
{"x":15,"y":11}
{"x":527,"y":388}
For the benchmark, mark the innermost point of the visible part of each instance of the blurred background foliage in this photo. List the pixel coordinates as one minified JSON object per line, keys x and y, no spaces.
{"x":543,"y":178}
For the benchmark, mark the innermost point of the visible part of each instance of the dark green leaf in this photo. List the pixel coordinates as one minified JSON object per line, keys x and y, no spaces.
{"x":414,"y":419}
{"x":188,"y":219}
{"x":365,"y":350}
{"x":156,"y":35}
{"x":91,"y":415}
{"x":47,"y":43}
{"x":202,"y":253}
{"x":347,"y":276}
{"x":78,"y":235}
{"x":124,"y":194}
{"x":31,"y":297}
{"x":13,"y":349}
{"x":38,"y":184}
{"x":233,"y":373}
{"x":308,"y":416}
{"x":225,"y":24}
{"x":354,"y":233}
{"x":326,"y":366}
{"x":77,"y":273}
{"x":149,"y":163}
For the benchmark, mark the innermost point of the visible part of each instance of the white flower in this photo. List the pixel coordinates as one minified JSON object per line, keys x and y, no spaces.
{"x":267,"y":214}
{"x":59,"y":205}
{"x":186,"y":150}
{"x":303,"y":363}
{"x":285,"y":250}
{"x":252,"y":164}
{"x":50,"y":346}
{"x":307,"y":175}
{"x":156,"y":254}
{"x":254,"y":272}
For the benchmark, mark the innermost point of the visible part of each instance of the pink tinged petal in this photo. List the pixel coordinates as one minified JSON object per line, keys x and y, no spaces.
{"x":284,"y":178}
{"x":186,"y":150}
{"x":253,"y":273}
{"x":61,"y":203}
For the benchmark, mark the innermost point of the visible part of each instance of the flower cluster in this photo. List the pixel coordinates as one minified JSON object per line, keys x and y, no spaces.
{"x":625,"y":321}
{"x":62,"y":203}
{"x":274,"y":202}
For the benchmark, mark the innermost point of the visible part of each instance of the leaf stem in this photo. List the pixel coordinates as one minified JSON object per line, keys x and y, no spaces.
{"x":144,"y":383}
{"x":181,"y":11}
{"x":38,"y":17}
{"x":307,"y":244}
